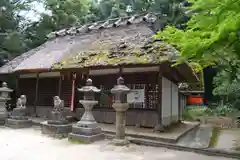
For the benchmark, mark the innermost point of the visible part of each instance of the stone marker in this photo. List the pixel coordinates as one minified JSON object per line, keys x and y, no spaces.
{"x":18,"y":117}
{"x":4,"y":97}
{"x":58,"y":126}
{"x":87,"y":129}
{"x":120,"y":105}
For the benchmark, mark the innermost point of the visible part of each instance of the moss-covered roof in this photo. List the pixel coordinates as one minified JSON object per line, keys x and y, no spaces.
{"x":121,"y":41}
{"x":151,"y":52}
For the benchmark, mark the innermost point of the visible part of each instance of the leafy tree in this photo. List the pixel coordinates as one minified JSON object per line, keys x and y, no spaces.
{"x":11,"y":39}
{"x":65,"y":13}
{"x":211,"y":38}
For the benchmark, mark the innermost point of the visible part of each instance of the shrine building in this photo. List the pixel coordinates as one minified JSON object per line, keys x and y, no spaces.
{"x":104,"y":51}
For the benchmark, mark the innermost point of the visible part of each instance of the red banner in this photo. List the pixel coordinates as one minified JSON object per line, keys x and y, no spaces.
{"x":195,"y":100}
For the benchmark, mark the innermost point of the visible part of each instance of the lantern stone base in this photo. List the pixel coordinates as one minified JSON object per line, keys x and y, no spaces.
{"x":2,"y":120}
{"x":56,"y":130}
{"x":120,"y":142}
{"x":3,"y":116}
{"x":18,"y":123}
{"x":86,"y":135}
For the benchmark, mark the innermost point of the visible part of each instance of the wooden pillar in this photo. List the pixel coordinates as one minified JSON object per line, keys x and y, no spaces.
{"x":171,"y":104}
{"x":159,"y":107}
{"x":60,"y":86}
{"x":120,"y":72}
{"x":36,"y":95}
{"x":17,"y":86}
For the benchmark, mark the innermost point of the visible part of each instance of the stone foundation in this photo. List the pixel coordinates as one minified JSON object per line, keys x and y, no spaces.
{"x":2,"y":121}
{"x":2,"y":118}
{"x":169,"y":120}
{"x":86,"y":135}
{"x":120,"y":142}
{"x":134,"y":117}
{"x":16,"y":123}
{"x":56,"y":130}
{"x":86,"y":139}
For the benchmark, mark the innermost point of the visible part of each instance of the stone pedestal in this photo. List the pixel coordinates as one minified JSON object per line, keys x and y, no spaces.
{"x":3,"y":113}
{"x":120,"y":109}
{"x":56,"y":130}
{"x":87,"y":129}
{"x":18,"y":123}
{"x":18,"y":119}
{"x":57,"y":126}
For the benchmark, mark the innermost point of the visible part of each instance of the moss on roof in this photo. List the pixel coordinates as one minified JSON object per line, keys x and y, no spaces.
{"x":152,"y":52}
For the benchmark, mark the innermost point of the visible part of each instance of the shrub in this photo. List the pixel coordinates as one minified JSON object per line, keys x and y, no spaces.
{"x":224,"y":110}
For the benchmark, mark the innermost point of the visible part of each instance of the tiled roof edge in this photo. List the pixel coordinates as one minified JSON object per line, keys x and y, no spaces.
{"x":109,"y":23}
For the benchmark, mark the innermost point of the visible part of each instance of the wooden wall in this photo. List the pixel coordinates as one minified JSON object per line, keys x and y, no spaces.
{"x":147,"y":81}
{"x":28,"y":88}
{"x":48,"y":88}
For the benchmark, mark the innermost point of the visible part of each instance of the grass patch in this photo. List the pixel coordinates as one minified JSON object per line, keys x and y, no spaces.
{"x":193,"y":113}
{"x":237,"y":148}
{"x":75,"y":141}
{"x":215,"y":136}
{"x":196,"y":113}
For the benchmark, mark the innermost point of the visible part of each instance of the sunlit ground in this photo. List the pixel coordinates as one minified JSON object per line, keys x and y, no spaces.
{"x":29,"y":144}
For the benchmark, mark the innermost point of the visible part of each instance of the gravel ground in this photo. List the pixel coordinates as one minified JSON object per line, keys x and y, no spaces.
{"x":29,"y":144}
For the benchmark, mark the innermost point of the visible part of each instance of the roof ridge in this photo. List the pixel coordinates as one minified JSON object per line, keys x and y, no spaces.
{"x":149,"y":17}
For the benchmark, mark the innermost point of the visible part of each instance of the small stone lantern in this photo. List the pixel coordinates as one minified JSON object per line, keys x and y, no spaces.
{"x":87,"y":129}
{"x":120,"y":105}
{"x":4,"y":97}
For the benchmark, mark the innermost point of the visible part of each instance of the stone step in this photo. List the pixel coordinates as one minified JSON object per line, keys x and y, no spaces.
{"x":165,"y":140}
{"x":198,"y":138}
{"x":156,"y":143}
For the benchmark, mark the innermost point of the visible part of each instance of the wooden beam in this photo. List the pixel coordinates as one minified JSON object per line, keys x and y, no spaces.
{"x":36,"y":95}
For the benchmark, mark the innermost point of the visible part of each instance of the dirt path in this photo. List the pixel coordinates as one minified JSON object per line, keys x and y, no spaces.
{"x":228,"y":139}
{"x":29,"y":144}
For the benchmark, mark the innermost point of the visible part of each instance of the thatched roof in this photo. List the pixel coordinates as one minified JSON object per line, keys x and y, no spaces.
{"x":117,"y":47}
{"x":107,"y":43}
{"x":11,"y":65}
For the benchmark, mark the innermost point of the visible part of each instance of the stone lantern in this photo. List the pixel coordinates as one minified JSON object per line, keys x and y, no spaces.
{"x":4,"y":97}
{"x":87,"y":129}
{"x":120,"y":105}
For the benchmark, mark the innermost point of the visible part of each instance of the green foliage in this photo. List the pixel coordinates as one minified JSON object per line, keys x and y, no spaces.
{"x":211,"y":33}
{"x":65,"y":13}
{"x":224,"y":110}
{"x":11,"y":39}
{"x":211,"y":38}
{"x":195,"y":112}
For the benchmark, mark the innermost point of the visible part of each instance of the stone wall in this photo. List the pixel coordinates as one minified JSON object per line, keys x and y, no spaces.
{"x":170,"y":102}
{"x":143,"y":118}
